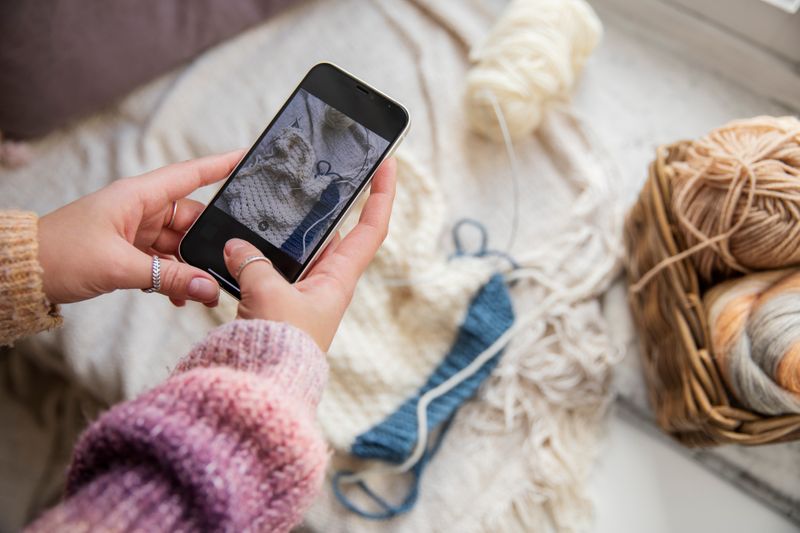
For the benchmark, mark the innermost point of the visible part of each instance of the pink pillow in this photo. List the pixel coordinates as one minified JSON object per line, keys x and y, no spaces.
{"x":60,"y":60}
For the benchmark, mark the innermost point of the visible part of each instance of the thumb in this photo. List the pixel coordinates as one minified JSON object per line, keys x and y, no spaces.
{"x":179,"y":281}
{"x":253,"y":276}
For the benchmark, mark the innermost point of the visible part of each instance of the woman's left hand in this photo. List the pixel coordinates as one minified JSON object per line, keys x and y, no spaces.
{"x":105,"y":241}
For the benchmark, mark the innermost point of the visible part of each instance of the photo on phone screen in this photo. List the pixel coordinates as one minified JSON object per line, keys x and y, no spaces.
{"x":301,"y":175}
{"x":298,"y":180}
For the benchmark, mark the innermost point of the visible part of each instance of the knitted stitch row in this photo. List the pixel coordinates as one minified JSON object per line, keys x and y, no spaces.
{"x":228,"y":443}
{"x":489,"y":315}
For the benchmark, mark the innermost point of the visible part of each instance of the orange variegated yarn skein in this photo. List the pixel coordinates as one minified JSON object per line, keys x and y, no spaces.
{"x":755,"y":332}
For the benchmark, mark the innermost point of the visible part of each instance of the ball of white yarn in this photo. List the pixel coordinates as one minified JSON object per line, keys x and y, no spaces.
{"x":532,"y":56}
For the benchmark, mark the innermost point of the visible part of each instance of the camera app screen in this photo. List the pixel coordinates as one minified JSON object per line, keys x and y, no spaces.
{"x":301,"y":175}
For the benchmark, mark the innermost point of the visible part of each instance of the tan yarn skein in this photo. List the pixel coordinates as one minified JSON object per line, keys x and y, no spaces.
{"x":737,"y":199}
{"x":737,"y":192}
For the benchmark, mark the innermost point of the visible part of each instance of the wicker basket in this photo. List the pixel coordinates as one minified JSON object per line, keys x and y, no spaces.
{"x":691,"y":400}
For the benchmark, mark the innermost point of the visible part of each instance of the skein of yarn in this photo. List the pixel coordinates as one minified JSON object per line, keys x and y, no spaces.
{"x":531,"y":57}
{"x":737,"y":197}
{"x":755,"y":331}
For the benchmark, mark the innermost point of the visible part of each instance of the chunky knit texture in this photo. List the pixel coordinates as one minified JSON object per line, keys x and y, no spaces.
{"x":490,"y":314}
{"x":228,"y":443}
{"x":24,"y":308}
{"x":273,"y":193}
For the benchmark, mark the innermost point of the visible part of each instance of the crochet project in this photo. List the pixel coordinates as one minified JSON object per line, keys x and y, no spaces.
{"x":278,"y":188}
{"x":517,"y":456}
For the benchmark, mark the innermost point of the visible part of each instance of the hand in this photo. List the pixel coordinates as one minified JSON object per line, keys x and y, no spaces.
{"x":317,"y":303}
{"x":105,"y":241}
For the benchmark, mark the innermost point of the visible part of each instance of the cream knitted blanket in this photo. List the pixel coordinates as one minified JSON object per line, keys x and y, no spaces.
{"x":517,"y":457}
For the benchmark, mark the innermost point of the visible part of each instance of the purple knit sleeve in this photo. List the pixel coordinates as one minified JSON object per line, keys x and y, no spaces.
{"x":228,"y":443}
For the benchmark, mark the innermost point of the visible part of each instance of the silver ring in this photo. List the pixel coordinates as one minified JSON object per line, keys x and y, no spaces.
{"x":155,"y":276}
{"x":251,"y":259}
{"x":174,"y":211}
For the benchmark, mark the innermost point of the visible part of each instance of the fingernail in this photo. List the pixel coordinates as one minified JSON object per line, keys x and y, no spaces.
{"x":203,"y":290}
{"x":234,"y":244}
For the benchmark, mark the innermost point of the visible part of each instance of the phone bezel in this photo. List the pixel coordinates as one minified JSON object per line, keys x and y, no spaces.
{"x":326,"y":81}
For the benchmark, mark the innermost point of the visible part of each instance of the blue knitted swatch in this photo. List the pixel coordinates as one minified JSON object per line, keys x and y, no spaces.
{"x":489,"y":315}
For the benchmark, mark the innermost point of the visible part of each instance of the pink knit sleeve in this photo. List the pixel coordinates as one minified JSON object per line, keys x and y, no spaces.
{"x":228,"y":443}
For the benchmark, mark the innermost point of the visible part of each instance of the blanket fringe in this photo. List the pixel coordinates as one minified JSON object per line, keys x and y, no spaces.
{"x":553,"y":382}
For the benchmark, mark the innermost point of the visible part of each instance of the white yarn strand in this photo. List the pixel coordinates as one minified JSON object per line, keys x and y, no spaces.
{"x":515,"y":174}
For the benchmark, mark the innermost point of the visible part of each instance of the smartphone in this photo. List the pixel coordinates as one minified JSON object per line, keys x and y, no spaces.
{"x":290,"y":192}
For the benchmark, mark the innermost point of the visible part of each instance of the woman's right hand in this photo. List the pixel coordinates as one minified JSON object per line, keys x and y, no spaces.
{"x":318,"y":302}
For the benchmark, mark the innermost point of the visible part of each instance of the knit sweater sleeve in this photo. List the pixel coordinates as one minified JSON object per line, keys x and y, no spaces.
{"x":228,"y":443}
{"x":24,"y":309}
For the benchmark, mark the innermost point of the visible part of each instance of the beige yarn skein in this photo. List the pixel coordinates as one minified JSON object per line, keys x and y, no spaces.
{"x":531,"y":57}
{"x":737,"y":197}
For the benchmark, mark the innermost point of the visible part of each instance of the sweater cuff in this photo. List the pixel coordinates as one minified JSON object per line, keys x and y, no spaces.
{"x":137,"y":498}
{"x":24,"y":308}
{"x":278,"y":351}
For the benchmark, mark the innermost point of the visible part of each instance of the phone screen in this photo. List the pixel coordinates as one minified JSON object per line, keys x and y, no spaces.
{"x":301,"y":175}
{"x":294,"y":184}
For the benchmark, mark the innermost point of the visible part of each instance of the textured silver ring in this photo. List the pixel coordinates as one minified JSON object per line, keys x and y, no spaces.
{"x":251,"y":259}
{"x":155,"y":276}
{"x":174,"y":211}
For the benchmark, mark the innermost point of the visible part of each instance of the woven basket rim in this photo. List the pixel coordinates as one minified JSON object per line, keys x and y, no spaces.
{"x":687,"y":389}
